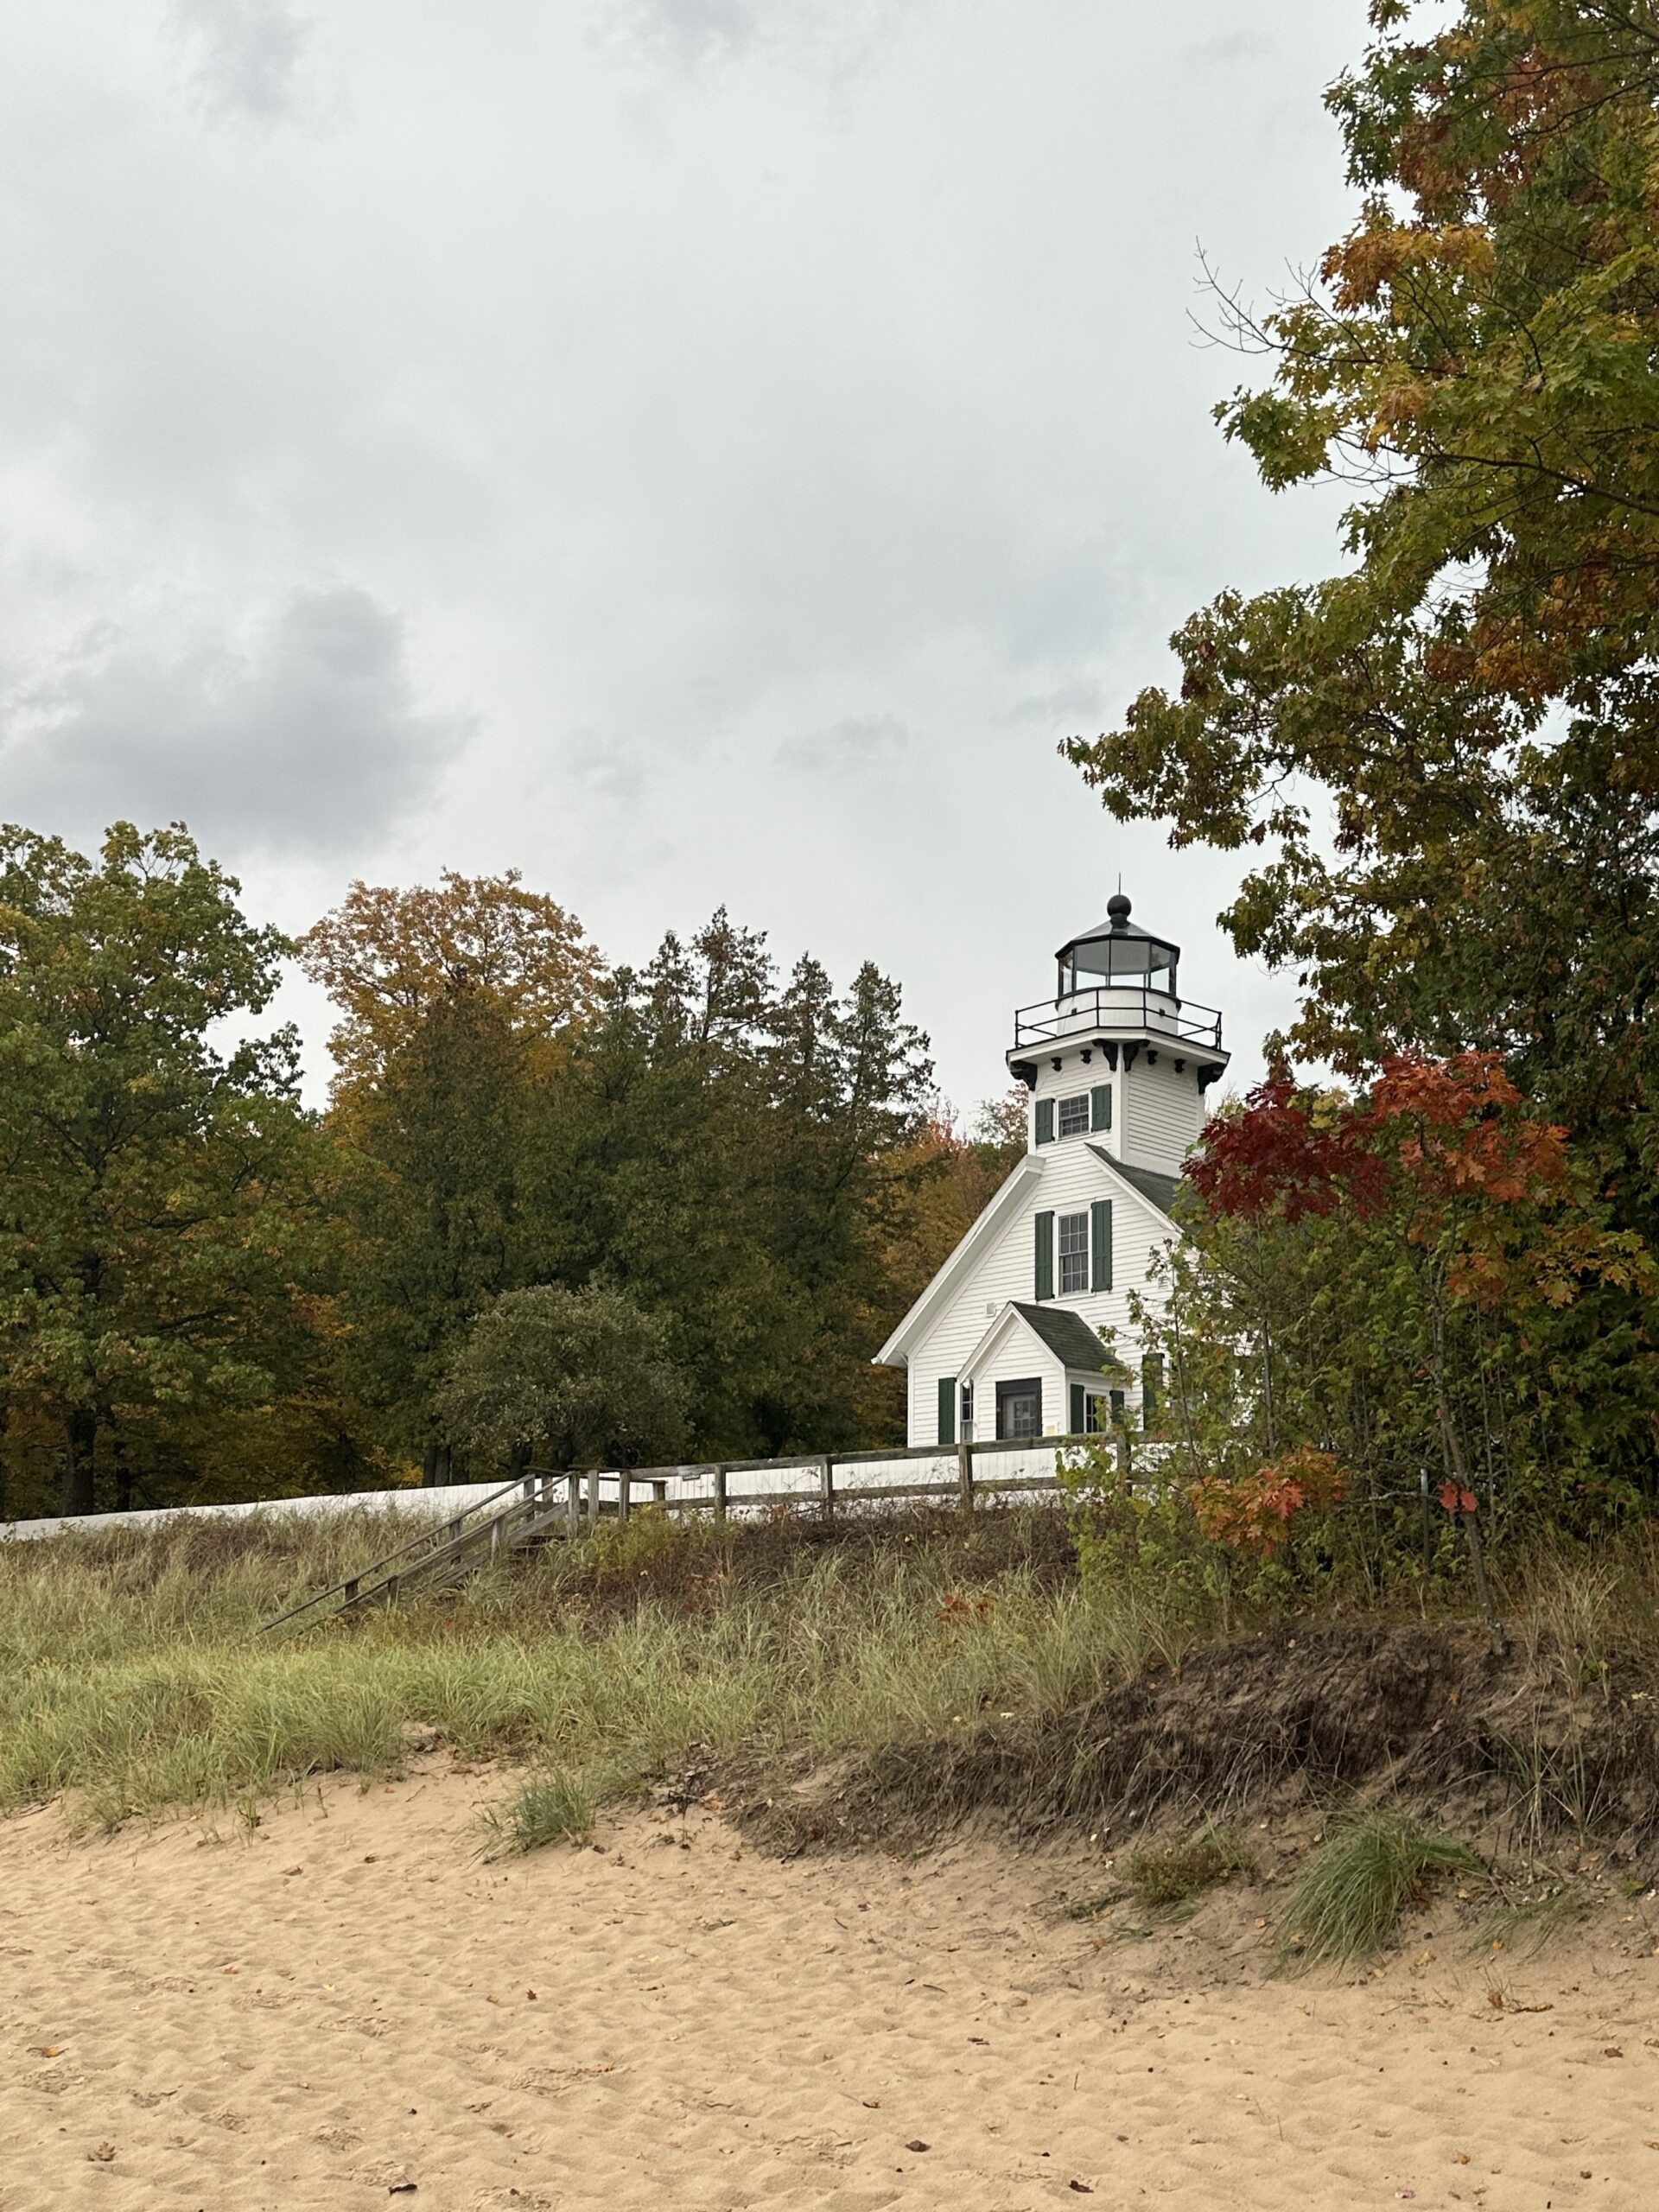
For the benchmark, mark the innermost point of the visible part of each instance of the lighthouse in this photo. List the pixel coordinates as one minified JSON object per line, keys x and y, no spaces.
{"x":1026,"y":1331}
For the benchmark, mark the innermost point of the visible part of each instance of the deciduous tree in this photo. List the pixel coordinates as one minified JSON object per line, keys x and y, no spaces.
{"x":156,"y":1229}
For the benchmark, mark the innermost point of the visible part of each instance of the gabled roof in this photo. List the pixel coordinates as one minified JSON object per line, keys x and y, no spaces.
{"x":1160,"y":1189}
{"x":893,"y":1352}
{"x":1067,"y":1335}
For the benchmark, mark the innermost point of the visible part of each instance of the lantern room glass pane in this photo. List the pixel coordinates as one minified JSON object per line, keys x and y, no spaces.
{"x":1119,"y":962}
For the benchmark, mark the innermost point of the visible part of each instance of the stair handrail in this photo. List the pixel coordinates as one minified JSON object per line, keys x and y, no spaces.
{"x":447,"y":1530}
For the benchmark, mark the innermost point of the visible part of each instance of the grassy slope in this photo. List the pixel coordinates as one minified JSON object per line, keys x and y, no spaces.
{"x":948,"y":1669}
{"x":132,"y":1677}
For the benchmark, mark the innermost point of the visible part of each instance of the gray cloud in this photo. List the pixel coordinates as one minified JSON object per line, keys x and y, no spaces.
{"x":246,"y":59}
{"x":854,"y":745}
{"x":1230,"y":47}
{"x":695,"y":28}
{"x":311,"y":740}
{"x":828,"y":37}
{"x":1080,"y":699}
{"x":597,"y":767}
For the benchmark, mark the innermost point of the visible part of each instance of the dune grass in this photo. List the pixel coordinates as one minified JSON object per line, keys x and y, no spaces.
{"x":1165,"y":1876}
{"x":550,"y":1805}
{"x":1357,"y":1882}
{"x":132,"y":1678}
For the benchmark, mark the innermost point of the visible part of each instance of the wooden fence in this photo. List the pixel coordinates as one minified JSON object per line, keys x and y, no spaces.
{"x":590,"y":1491}
{"x":545,"y":1502}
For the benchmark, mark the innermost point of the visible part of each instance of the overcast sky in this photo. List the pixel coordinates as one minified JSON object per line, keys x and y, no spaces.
{"x":693,"y":451}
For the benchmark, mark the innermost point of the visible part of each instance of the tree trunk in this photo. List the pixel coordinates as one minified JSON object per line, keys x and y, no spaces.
{"x":435,"y":1466}
{"x":1457,"y":1468}
{"x":123,"y":1478}
{"x":80,"y":1432}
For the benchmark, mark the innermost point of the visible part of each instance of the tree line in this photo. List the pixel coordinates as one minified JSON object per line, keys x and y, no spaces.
{"x":723,"y":1185}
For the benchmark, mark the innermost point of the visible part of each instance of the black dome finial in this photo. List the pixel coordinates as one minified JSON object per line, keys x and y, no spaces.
{"x":1117,"y":910}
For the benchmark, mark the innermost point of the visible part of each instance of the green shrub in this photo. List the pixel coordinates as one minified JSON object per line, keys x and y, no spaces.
{"x":1164,"y":1875}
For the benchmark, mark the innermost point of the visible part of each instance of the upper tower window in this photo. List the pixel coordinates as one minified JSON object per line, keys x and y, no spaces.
{"x":1074,"y":1114}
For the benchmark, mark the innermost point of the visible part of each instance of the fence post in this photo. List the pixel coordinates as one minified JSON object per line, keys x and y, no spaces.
{"x":593,"y":1501}
{"x":827,"y":1487}
{"x":623,"y":1483}
{"x":573,"y":1504}
{"x":719,"y":1491}
{"x":965,"y":1477}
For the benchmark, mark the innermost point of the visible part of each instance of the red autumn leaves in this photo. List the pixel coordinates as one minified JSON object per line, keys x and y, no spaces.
{"x":1253,"y":1513}
{"x":1445,"y":1161}
{"x":1431,"y":1131}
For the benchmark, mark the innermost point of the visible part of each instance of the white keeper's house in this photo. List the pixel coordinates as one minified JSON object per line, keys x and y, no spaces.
{"x":1004,"y":1341}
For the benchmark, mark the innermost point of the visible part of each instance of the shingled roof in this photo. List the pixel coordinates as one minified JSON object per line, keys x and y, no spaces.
{"x":1067,"y":1335}
{"x":1160,"y":1189}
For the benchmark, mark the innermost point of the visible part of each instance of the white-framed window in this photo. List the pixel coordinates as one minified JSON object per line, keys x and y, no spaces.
{"x":1074,"y":1116}
{"x":1074,"y":1253}
{"x":1102,"y":1410}
{"x":966,"y":1431}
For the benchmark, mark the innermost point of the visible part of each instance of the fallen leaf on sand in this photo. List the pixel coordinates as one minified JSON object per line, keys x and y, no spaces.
{"x":1083,"y":2188}
{"x":46,"y":2050}
{"x":402,"y":2188}
{"x":104,"y":2153}
{"x":917,"y":2144}
{"x":1612,"y":2050}
{"x":873,"y":2104}
{"x":492,"y":2000}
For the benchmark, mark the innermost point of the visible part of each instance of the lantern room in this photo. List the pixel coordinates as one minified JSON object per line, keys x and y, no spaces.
{"x":1117,"y":956}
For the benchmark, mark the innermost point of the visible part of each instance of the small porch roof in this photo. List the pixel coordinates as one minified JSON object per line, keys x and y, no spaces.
{"x":1061,"y":1332}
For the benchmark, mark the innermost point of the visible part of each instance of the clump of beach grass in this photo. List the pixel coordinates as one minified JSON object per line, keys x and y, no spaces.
{"x":1357,"y":1882}
{"x":1163,"y":1877}
{"x":550,"y":1805}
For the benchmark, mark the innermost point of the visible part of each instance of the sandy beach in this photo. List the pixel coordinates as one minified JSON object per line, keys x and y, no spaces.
{"x":346,"y":2007}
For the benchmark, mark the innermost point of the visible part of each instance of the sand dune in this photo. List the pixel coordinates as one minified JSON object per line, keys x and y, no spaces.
{"x":345,"y":2001}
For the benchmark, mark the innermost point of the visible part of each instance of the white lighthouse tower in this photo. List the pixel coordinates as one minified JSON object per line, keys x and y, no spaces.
{"x":1006,"y":1341}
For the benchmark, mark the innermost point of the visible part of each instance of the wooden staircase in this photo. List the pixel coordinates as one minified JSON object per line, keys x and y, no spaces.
{"x":529,"y":1510}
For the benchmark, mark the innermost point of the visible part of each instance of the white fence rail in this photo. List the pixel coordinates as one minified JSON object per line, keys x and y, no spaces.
{"x":737,"y":1485}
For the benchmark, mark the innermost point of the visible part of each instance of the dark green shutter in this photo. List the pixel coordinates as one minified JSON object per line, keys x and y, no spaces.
{"x":1152,"y":1387}
{"x":1045,"y":1256}
{"x":1100,"y":1244}
{"x":1100,"y":1107}
{"x":1045,"y":1121}
{"x":1079,"y":1409}
{"x":947,"y":1408}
